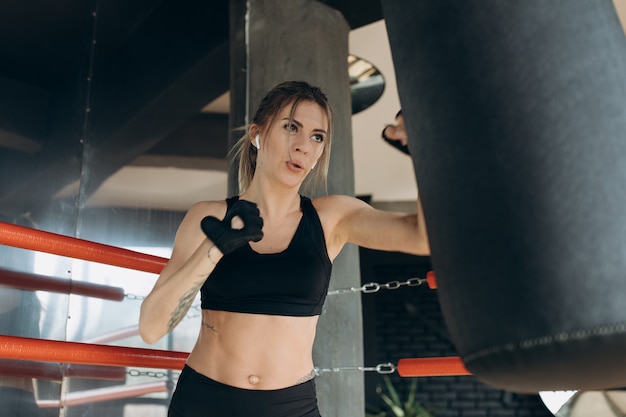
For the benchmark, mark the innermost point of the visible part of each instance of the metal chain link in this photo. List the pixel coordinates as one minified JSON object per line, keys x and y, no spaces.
{"x":134,"y":297}
{"x":381,"y":368}
{"x":151,"y":374}
{"x":375,"y":287}
{"x":195,"y":307}
{"x":365,"y":288}
{"x":193,"y":312}
{"x":142,"y":297}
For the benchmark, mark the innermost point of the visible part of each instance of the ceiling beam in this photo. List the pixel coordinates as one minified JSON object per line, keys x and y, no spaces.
{"x":136,"y":94}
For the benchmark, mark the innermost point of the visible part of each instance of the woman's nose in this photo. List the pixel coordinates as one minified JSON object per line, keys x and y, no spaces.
{"x":300,"y":143}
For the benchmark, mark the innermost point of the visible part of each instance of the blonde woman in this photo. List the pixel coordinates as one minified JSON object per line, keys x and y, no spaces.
{"x":262,"y":262}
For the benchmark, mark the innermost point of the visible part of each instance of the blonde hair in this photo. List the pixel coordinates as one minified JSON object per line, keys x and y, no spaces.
{"x":289,"y":93}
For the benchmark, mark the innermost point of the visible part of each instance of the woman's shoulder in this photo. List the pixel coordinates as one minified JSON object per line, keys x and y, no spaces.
{"x":336,"y":212}
{"x":201,"y":209}
{"x":189,"y":229}
{"x":337,"y":206}
{"x":207,"y":205}
{"x":337,"y":201}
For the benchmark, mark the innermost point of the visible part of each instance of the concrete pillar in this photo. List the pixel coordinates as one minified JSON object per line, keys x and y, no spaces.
{"x":274,"y":41}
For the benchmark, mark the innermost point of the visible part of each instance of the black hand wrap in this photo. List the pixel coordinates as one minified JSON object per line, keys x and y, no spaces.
{"x":228,"y":239}
{"x":395,"y":143}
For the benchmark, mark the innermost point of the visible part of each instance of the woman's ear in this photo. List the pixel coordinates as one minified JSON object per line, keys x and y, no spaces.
{"x":255,"y":139}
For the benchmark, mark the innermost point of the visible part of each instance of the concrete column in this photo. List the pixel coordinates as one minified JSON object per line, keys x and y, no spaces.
{"x":274,"y":41}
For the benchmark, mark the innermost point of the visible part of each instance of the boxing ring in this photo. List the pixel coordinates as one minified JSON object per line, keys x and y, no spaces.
{"x":39,"y":358}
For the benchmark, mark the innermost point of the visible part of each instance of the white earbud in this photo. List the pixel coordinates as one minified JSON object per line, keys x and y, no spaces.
{"x":313,"y":166}
{"x":258,"y":144}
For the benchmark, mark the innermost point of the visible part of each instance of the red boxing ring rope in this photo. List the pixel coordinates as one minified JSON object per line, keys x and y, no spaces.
{"x":104,"y":394}
{"x":25,"y":348}
{"x":431,"y":279}
{"x":33,"y":282}
{"x":445,"y":366}
{"x":37,"y":240}
{"x":56,"y":371}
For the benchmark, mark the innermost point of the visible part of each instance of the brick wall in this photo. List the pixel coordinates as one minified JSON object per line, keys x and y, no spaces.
{"x":407,"y":323}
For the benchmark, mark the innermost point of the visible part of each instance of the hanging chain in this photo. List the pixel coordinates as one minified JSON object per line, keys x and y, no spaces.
{"x":381,"y":368}
{"x":375,"y":287}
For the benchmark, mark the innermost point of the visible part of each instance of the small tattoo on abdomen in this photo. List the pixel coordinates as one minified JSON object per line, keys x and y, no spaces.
{"x":209,"y":326}
{"x":307,"y":377}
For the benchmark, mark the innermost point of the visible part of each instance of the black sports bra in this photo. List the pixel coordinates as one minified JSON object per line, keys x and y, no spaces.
{"x":293,"y":282}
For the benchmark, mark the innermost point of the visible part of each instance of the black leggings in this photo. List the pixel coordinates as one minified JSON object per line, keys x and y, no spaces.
{"x":199,"y":396}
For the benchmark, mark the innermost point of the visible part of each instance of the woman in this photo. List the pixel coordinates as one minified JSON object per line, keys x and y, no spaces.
{"x":262,"y":262}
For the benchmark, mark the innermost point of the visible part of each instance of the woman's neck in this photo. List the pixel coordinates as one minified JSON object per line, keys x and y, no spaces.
{"x":274,"y":204}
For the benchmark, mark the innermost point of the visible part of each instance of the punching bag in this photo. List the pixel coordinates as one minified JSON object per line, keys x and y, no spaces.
{"x":516,"y":115}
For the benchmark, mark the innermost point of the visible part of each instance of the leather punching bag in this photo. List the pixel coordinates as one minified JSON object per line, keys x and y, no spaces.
{"x":516,"y":114}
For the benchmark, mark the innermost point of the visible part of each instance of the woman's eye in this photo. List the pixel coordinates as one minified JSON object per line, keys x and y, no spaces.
{"x":318,"y":138}
{"x":291,"y":127}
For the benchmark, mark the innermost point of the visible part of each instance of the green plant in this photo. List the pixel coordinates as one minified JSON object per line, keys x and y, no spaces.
{"x":398,"y":408}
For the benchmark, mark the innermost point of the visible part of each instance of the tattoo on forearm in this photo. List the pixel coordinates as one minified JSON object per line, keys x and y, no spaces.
{"x":209,"y":326}
{"x":183,"y":306}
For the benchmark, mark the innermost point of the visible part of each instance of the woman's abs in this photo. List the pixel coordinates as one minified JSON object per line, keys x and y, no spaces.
{"x":254,"y":351}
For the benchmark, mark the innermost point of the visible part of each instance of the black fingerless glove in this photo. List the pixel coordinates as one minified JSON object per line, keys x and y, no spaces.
{"x":395,"y":143}
{"x":228,"y":239}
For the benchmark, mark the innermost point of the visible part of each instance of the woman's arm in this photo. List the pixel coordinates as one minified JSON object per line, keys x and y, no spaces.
{"x":193,"y":259}
{"x":201,"y":241}
{"x":365,"y":226}
{"x":349,"y":219}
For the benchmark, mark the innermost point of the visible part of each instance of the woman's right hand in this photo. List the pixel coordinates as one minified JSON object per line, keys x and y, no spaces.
{"x":225,"y":236}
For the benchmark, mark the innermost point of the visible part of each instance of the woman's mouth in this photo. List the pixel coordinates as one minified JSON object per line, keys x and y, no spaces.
{"x":294,"y":166}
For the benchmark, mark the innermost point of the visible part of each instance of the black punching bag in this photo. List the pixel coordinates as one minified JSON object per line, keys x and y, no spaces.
{"x":516,"y":114}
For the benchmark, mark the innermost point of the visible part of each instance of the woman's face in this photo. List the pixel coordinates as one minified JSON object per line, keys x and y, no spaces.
{"x":290,"y":149}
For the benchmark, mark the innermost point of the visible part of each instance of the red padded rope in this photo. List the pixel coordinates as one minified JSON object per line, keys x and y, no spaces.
{"x":38,"y":240}
{"x":431,"y":280}
{"x":445,"y":366}
{"x":95,"y":354}
{"x":25,"y":348}
{"x":33,"y":282}
{"x":105,"y":394}
{"x":56,"y":371}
